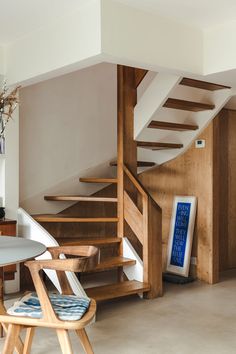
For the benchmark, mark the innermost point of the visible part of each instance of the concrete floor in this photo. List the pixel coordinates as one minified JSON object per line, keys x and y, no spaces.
{"x":194,"y":318}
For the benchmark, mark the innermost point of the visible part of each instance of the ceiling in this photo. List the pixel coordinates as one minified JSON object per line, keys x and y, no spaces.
{"x":199,"y":13}
{"x":20,"y":17}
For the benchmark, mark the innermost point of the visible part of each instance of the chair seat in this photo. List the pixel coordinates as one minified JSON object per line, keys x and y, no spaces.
{"x":66,"y":307}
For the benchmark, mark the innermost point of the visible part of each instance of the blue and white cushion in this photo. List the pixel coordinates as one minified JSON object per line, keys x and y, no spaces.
{"x":66,"y":307}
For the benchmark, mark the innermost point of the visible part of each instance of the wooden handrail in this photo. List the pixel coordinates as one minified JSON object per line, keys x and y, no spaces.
{"x":135,"y":182}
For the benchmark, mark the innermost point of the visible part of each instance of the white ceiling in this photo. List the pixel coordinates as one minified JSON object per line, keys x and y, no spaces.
{"x":20,"y":17}
{"x":199,"y":13}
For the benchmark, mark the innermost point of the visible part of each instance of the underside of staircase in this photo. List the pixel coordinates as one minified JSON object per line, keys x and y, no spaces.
{"x":125,"y":208}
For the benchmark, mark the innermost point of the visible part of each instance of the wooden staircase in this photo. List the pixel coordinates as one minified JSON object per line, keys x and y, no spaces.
{"x":107,"y":264}
{"x":135,"y":207}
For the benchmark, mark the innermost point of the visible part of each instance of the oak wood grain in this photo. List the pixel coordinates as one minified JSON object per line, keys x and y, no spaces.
{"x":158,"y":145}
{"x":204,"y":85}
{"x":172,"y":126}
{"x":78,"y":198}
{"x":117,"y":290}
{"x":187,"y":105}
{"x":97,"y":180}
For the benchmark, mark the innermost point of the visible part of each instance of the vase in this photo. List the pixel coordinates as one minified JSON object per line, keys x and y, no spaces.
{"x":2,"y":212}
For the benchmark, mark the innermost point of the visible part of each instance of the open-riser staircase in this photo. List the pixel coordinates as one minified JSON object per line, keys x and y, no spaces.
{"x":159,"y":115}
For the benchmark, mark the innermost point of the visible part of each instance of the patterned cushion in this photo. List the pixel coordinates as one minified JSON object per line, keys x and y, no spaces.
{"x":67,"y":307}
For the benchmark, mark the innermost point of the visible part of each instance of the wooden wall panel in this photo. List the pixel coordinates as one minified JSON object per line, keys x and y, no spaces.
{"x":221,"y":190}
{"x":231,"y":189}
{"x":225,"y":188}
{"x":189,"y":174}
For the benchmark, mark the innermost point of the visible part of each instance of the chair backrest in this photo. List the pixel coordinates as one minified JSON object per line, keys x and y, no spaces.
{"x":88,"y":260}
{"x":32,"y":230}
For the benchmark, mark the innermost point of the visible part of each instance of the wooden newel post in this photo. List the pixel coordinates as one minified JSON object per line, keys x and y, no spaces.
{"x":150,"y":217}
{"x":152,"y":249}
{"x":126,"y":146}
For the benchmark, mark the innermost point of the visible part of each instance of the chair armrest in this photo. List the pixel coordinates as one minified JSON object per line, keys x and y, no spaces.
{"x":70,"y":265}
{"x":88,"y":259}
{"x":81,"y":251}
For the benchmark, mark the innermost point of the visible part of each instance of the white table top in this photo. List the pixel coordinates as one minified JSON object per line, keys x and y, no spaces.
{"x":16,"y":249}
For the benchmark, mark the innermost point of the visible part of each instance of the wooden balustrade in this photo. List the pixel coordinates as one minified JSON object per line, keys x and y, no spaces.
{"x":146,"y":225}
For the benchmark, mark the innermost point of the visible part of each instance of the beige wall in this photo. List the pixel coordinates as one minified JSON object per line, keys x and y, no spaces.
{"x":67,"y":127}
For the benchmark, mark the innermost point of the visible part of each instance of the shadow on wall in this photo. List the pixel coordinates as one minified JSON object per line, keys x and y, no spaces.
{"x":67,"y":125}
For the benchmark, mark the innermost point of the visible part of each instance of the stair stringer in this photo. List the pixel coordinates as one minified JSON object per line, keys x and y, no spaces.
{"x":36,"y":203}
{"x":152,"y":99}
{"x":134,"y":272}
{"x":32,"y":230}
{"x":202,"y":119}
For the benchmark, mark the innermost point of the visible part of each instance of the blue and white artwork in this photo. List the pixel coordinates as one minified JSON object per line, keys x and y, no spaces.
{"x":181,"y":235}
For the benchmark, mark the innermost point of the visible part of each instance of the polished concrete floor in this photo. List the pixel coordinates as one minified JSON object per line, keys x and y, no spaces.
{"x":189,"y":319}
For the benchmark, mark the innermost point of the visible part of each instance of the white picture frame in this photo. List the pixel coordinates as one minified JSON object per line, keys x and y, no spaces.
{"x":181,"y":235}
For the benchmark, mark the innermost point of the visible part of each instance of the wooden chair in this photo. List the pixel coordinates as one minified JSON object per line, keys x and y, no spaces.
{"x":87,"y":258}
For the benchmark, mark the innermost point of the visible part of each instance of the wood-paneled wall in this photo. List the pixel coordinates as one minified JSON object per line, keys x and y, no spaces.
{"x":189,"y":174}
{"x":225,"y":147}
{"x":210,"y":175}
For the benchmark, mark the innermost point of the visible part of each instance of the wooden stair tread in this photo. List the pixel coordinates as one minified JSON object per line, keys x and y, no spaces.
{"x":113,"y":262}
{"x":98,"y":180}
{"x":139,"y":163}
{"x":204,"y":85}
{"x":157,"y":145}
{"x":172,"y":126}
{"x":69,"y":218}
{"x":112,"y":291}
{"x":79,"y":198}
{"x":89,"y":241}
{"x":187,"y":105}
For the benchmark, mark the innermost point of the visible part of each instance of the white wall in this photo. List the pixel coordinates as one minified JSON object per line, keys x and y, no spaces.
{"x":67,"y":130}
{"x":2,"y":61}
{"x":9,"y":167}
{"x":104,"y":30}
{"x":144,"y":39}
{"x":219,"y":48}
{"x":107,"y":31}
{"x":9,"y":182}
{"x":12,"y":167}
{"x":62,"y":47}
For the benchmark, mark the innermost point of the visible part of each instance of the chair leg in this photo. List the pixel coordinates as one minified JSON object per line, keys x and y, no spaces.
{"x":85,"y":341}
{"x":64,"y":341}
{"x":12,"y":338}
{"x":19,"y":344}
{"x":28,"y":340}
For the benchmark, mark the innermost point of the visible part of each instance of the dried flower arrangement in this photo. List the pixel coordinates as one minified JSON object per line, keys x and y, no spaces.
{"x":8,"y":103}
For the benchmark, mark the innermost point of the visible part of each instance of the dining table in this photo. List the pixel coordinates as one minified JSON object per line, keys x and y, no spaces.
{"x":14,"y":250}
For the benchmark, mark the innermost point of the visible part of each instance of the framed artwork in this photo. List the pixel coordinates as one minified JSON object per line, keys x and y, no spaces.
{"x":181,"y":235}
